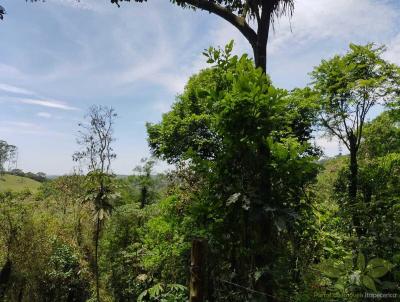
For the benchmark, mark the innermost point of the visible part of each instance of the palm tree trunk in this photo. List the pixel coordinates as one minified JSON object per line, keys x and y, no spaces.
{"x":260,"y":54}
{"x":259,"y":44}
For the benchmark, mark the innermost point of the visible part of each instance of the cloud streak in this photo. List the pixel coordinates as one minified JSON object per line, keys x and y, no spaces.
{"x":83,"y":5}
{"x":30,"y":97}
{"x":18,"y":127}
{"x":42,"y":102}
{"x":316,"y":21}
{"x":14,"y":89}
{"x":47,"y":103}
{"x":44,"y":114}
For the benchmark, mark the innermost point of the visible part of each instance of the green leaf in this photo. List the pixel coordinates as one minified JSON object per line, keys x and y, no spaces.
{"x":348,"y":263}
{"x":156,"y":290}
{"x":340,"y":284}
{"x":142,"y":295}
{"x":258,"y":275}
{"x":389,"y":285}
{"x":361,"y":261}
{"x":330,"y":270}
{"x":378,"y":267}
{"x":280,"y":224}
{"x":396,"y":258}
{"x":378,"y":272}
{"x":368,"y":282}
{"x":177,"y":287}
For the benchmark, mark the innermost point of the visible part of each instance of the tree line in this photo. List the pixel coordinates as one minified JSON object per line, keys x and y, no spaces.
{"x":9,"y":163}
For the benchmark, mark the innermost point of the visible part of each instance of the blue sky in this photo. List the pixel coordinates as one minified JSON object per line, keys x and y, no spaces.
{"x":59,"y":57}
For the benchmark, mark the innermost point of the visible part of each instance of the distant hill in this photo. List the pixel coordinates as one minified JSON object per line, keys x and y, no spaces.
{"x":17,"y":183}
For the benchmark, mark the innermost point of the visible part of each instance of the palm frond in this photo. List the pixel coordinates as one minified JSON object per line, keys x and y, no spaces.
{"x":282,"y":8}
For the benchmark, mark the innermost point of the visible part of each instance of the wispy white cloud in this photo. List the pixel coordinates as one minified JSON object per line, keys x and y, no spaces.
{"x":10,"y":71}
{"x":21,"y":124}
{"x":146,"y":65}
{"x":393,"y":53}
{"x":223,"y":33}
{"x":162,"y":106}
{"x":83,"y":4}
{"x":330,"y":146}
{"x":47,"y":103}
{"x":14,"y":89}
{"x":20,"y":127}
{"x":343,"y":20}
{"x":315,"y":21}
{"x":44,"y":114}
{"x":33,"y":99}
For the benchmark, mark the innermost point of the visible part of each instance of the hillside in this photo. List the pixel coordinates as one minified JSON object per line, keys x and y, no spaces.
{"x":17,"y":183}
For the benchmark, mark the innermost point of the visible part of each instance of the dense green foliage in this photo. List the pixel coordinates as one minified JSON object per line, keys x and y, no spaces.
{"x":252,"y":164}
{"x":248,"y":179}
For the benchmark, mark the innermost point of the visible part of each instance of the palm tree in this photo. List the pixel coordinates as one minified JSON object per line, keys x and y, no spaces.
{"x":95,"y":139}
{"x":99,"y":193}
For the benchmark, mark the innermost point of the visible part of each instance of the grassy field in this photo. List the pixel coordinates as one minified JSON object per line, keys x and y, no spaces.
{"x":17,"y":183}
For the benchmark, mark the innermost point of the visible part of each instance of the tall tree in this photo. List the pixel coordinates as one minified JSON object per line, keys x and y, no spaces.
{"x":144,"y":180}
{"x":8,"y":154}
{"x":220,"y":127}
{"x":253,"y":18}
{"x":95,"y":138}
{"x":347,"y":87}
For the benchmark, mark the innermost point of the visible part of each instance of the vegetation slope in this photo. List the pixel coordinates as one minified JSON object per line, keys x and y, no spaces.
{"x":17,"y":183}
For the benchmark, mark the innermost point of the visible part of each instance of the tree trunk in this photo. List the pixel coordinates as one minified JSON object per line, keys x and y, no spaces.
{"x":143,"y":197}
{"x":198,"y":271}
{"x":96,"y":259}
{"x":5,"y":275}
{"x":262,"y":227}
{"x":353,"y":184}
{"x":259,"y":45}
{"x":260,"y":57}
{"x":260,"y":54}
{"x":353,"y":176}
{"x":21,"y":293}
